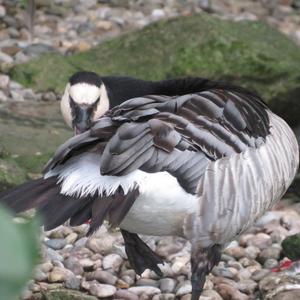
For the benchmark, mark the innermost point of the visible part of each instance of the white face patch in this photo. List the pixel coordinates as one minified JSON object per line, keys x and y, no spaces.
{"x":83,"y":93}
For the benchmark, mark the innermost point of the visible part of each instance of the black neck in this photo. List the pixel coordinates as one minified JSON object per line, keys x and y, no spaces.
{"x":121,"y":89}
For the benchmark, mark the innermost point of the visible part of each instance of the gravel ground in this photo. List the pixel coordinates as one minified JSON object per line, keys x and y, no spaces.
{"x":249,"y":269}
{"x":250,"y":266}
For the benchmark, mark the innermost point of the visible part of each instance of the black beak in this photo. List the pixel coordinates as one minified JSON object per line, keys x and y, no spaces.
{"x":82,"y":118}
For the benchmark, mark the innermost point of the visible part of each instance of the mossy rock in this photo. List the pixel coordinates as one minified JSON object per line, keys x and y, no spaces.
{"x":291,"y":247}
{"x":30,"y":133}
{"x":10,"y":174}
{"x":249,"y":53}
{"x":64,"y":294}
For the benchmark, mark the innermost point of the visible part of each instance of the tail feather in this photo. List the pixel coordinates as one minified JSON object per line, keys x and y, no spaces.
{"x":56,"y":208}
{"x":28,"y":195}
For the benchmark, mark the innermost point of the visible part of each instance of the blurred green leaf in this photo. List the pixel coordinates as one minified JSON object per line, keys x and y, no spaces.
{"x":18,"y":254}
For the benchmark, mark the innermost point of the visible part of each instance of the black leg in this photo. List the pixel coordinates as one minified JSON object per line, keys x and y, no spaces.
{"x":202,"y":262}
{"x":140,"y":256}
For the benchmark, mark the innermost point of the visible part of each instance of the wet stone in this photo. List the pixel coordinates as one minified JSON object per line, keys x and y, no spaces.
{"x":56,"y":244}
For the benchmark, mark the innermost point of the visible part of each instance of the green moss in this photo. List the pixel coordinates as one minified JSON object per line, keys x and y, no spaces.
{"x":10,"y":173}
{"x":249,"y":53}
{"x":64,"y":294}
{"x":291,"y":247}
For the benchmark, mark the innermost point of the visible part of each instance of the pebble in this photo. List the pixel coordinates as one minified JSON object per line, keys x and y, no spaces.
{"x":73,"y":264}
{"x":103,"y":245}
{"x":112,"y":261}
{"x":102,"y":277}
{"x":223,"y":272}
{"x":183,"y":288}
{"x":148,"y":290}
{"x":100,"y":290}
{"x":4,"y":82}
{"x":59,"y":274}
{"x":73,"y":282}
{"x":259,"y":275}
{"x":52,"y":255}
{"x":126,"y":295}
{"x":167,"y":285}
{"x":147,"y":282}
{"x":56,"y":244}
{"x":5,"y":58}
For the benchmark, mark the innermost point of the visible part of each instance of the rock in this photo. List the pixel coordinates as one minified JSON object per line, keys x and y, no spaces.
{"x":5,"y":58}
{"x":112,"y":261}
{"x":102,"y":276}
{"x":87,"y":264}
{"x":247,"y":286}
{"x":270,"y":263}
{"x":223,"y":272}
{"x":64,"y":294}
{"x":73,"y":264}
{"x":2,"y":11}
{"x":50,"y":96}
{"x":103,"y":245}
{"x":73,"y":282}
{"x":261,"y":240}
{"x":4,"y":82}
{"x":167,"y":285}
{"x":259,"y":275}
{"x":271,"y":252}
{"x":59,"y":274}
{"x":39,"y":275}
{"x":148,"y":290}
{"x":17,"y":95}
{"x":3,"y":97}
{"x":56,"y":244}
{"x":35,"y":50}
{"x":11,"y":173}
{"x":53,"y":255}
{"x":236,"y":252}
{"x":126,"y":295}
{"x":71,"y":238}
{"x":147,"y":282}
{"x":183,"y":288}
{"x":250,"y":53}
{"x":100,"y":290}
{"x":291,"y":247}
{"x":211,"y":295}
{"x":229,"y":292}
{"x":288,"y":295}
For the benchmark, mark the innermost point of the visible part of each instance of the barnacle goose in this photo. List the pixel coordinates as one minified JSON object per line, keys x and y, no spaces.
{"x":188,"y":157}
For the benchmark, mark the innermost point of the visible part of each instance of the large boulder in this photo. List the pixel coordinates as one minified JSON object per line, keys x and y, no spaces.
{"x":250,"y":53}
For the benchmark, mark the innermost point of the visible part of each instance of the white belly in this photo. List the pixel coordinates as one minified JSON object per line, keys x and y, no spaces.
{"x":161,"y":207}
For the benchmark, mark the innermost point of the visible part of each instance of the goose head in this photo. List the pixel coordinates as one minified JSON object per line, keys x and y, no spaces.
{"x":84,"y":100}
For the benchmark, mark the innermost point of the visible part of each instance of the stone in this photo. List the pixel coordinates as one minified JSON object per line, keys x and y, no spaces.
{"x":102,"y":277}
{"x":112,"y":261}
{"x":87,"y":264}
{"x":126,"y":295}
{"x":270,"y":263}
{"x":17,"y":95}
{"x":59,"y":274}
{"x":288,"y":295}
{"x":73,"y":282}
{"x":247,"y":286}
{"x":261,"y":240}
{"x":259,"y":275}
{"x":148,"y":290}
{"x":2,"y":11}
{"x":50,"y":96}
{"x":223,"y":272}
{"x":53,"y":255}
{"x":167,"y":285}
{"x":73,"y":264}
{"x":236,"y":252}
{"x":183,"y":288}
{"x":3,"y":97}
{"x":229,"y":292}
{"x":72,"y":237}
{"x":100,"y":290}
{"x":66,"y":295}
{"x":147,"y":282}
{"x":5,"y":58}
{"x":103,"y":245}
{"x":37,"y":49}
{"x":56,"y":244}
{"x":211,"y":295}
{"x":4,"y":82}
{"x":271,"y":252}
